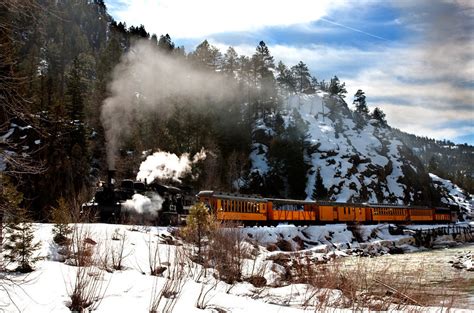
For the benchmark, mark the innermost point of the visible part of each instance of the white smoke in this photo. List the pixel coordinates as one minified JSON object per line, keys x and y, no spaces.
{"x":167,"y":166}
{"x":144,"y":205}
{"x":147,"y":81}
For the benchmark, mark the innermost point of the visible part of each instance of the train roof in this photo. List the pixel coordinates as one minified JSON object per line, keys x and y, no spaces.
{"x":290,"y":201}
{"x":230,"y":196}
{"x":233,"y":196}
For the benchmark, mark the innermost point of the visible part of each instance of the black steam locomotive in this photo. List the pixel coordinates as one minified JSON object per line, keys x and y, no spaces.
{"x":110,"y":197}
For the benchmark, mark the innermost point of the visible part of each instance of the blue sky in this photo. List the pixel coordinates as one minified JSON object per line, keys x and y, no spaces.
{"x":413,"y":59}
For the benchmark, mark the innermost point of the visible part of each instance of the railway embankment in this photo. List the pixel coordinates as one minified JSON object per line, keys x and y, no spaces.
{"x":363,"y":240}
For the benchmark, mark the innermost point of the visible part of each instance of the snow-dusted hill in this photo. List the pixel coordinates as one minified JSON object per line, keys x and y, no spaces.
{"x":358,"y":161}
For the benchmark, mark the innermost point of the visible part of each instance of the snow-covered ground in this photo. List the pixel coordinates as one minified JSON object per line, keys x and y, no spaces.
{"x":131,"y":289}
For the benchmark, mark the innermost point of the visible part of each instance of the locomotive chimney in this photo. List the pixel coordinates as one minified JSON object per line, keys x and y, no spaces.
{"x":110,"y":177}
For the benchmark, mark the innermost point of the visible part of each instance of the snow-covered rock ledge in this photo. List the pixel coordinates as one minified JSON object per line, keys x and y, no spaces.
{"x":343,"y":240}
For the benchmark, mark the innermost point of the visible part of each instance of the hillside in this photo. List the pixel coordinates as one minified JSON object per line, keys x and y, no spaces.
{"x":345,"y":160}
{"x":92,"y":94}
{"x":444,"y":158}
{"x":365,"y":163}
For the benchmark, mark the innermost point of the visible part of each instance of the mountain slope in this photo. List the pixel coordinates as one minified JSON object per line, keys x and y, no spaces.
{"x":357,"y":161}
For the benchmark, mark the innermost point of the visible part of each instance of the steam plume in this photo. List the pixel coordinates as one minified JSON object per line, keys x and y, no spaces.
{"x":148,"y":81}
{"x":167,"y":166}
{"x":144,"y":205}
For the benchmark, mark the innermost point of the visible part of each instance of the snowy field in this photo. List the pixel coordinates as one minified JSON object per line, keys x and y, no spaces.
{"x":195,"y":289}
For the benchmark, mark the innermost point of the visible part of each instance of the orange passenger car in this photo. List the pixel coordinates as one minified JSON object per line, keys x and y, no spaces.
{"x":228,"y":207}
{"x":258,"y":210}
{"x":283,"y":210}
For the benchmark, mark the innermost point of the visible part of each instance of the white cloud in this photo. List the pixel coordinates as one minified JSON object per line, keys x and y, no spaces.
{"x":428,"y":122}
{"x":191,"y":18}
{"x":421,"y":94}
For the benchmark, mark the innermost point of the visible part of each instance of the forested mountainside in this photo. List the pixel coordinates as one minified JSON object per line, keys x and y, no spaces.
{"x":274,"y":129}
{"x":444,"y":158}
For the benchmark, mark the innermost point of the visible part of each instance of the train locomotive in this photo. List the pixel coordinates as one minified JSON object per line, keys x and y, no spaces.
{"x":110,"y":198}
{"x":256,"y":210}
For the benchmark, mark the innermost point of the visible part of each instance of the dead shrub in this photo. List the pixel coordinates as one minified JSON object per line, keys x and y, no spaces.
{"x":154,"y":259}
{"x":228,"y":252}
{"x":257,"y":281}
{"x":272,"y":247}
{"x":203,"y":299}
{"x":284,"y":245}
{"x":88,"y":288}
{"x":164,"y":299}
{"x":356,"y":230}
{"x":114,"y":252}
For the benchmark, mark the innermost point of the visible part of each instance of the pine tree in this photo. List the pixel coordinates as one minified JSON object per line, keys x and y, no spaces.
{"x":285,"y":78}
{"x":262,"y":70}
{"x":360,"y":103}
{"x":19,"y":247}
{"x":379,"y":115}
{"x":230,"y":62}
{"x":319,"y":192}
{"x":302,"y":77}
{"x":61,"y":217}
{"x":336,"y":88}
{"x":206,"y":56}
{"x":361,"y":113}
{"x":165,"y":43}
{"x":198,"y":225}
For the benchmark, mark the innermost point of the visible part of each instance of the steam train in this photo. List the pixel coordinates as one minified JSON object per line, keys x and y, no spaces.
{"x":255,"y":210}
{"x":110,"y":198}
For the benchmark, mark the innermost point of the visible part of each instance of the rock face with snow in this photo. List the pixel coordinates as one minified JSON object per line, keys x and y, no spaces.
{"x":355,"y":160}
{"x":454,"y":197}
